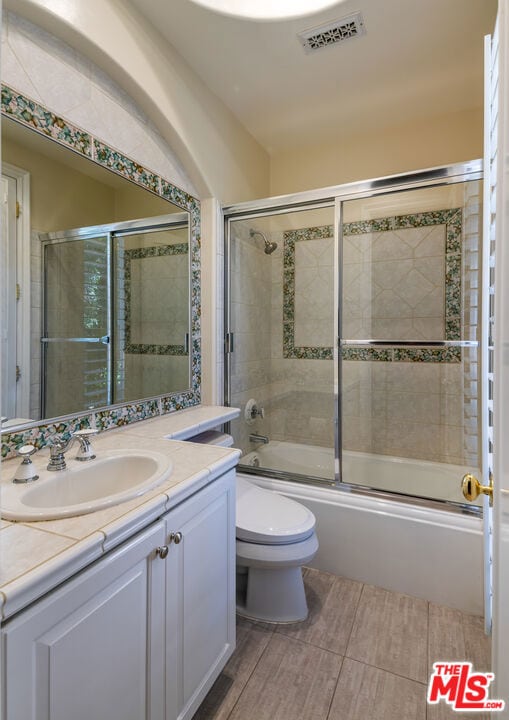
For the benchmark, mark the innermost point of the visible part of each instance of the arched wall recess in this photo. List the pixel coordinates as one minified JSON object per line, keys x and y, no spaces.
{"x":213,"y":147}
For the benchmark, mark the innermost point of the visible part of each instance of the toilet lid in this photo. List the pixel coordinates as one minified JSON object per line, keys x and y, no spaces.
{"x":267,"y":518}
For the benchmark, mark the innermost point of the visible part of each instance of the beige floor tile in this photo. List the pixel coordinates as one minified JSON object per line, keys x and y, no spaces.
{"x":444,"y":712}
{"x":391,"y":632}
{"x":367,"y":693}
{"x":453,"y":635}
{"x":252,"y":639}
{"x":292,"y":681}
{"x":332,"y":602}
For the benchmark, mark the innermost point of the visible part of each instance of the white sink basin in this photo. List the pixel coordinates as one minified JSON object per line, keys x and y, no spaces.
{"x":118,"y":476}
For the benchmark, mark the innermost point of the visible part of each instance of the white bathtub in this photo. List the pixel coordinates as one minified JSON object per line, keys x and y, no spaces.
{"x":431,"y":553}
{"x":419,"y":478}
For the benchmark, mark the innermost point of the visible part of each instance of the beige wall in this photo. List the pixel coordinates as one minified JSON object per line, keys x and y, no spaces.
{"x":60,"y":197}
{"x":447,"y":139}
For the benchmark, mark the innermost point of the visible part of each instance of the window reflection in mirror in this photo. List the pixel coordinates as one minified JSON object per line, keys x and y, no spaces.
{"x":101,"y":318}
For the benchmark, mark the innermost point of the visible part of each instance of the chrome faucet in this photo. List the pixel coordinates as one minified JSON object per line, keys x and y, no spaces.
{"x":254,"y":438}
{"x":60,"y":447}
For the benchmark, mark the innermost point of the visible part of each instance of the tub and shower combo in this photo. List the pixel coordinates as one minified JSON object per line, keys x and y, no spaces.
{"x":354,"y":348}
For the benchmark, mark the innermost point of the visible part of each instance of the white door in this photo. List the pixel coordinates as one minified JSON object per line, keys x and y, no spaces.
{"x":501,"y":374}
{"x":7,"y":300}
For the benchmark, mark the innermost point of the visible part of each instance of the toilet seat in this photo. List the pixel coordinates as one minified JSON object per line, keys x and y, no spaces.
{"x":266,"y":518}
{"x":270,"y":556}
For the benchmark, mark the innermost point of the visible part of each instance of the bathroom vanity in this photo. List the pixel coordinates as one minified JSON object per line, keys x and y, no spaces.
{"x":144,"y":629}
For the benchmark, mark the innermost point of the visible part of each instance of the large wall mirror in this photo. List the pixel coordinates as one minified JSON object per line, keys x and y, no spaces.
{"x":100,"y":275}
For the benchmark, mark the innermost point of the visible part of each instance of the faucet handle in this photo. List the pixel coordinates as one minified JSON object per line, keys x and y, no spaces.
{"x":25,"y":451}
{"x":26,"y":471}
{"x":86,"y":451}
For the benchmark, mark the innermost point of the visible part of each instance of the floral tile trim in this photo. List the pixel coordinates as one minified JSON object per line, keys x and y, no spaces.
{"x":42,"y":435}
{"x":116,"y":417}
{"x":353,"y":353}
{"x":38,"y":118}
{"x":122,"y":165}
{"x":452,"y":219}
{"x":140,"y":254}
{"x":35,"y":116}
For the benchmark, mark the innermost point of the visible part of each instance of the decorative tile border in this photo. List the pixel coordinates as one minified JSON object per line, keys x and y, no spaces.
{"x":452,"y":219}
{"x":36,"y":117}
{"x":141,"y":254}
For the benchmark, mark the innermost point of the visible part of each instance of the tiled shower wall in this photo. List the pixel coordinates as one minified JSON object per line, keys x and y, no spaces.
{"x":395,"y":288}
{"x":251,"y":372}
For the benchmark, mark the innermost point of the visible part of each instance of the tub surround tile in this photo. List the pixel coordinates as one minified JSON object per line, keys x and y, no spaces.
{"x":291,"y":680}
{"x":368,"y":692}
{"x":427,"y":249}
{"x":390,"y":632}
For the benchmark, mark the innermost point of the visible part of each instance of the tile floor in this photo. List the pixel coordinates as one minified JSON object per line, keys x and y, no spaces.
{"x":364,"y":653}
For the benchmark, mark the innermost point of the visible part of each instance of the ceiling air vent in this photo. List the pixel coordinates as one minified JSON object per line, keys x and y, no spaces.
{"x":332,"y":33}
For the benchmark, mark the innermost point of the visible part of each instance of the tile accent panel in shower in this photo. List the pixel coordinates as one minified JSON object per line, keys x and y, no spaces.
{"x":401,"y":281}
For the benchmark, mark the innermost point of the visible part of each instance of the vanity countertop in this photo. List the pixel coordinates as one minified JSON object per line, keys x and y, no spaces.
{"x":36,"y":556}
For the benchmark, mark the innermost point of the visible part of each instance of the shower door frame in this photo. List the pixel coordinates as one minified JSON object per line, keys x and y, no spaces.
{"x":109,"y":232}
{"x":335,"y":196}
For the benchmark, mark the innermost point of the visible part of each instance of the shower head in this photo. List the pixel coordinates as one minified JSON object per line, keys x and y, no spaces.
{"x":269,"y":246}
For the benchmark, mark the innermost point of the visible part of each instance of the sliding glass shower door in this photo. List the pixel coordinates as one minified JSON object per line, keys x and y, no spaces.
{"x":352,"y":334}
{"x":116,"y":313}
{"x":76,"y":325}
{"x":409,"y":340}
{"x":280,"y":325}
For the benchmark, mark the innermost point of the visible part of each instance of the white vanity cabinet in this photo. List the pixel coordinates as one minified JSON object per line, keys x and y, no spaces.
{"x":200,"y":595}
{"x":82,"y":652}
{"x":140,"y":634}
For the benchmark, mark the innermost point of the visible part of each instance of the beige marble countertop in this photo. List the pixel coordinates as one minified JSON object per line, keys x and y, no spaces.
{"x":37,"y":556}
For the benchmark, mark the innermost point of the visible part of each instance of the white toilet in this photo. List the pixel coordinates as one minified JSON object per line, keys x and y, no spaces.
{"x":275,"y":537}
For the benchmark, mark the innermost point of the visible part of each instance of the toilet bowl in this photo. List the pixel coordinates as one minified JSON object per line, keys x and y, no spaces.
{"x":275,"y":537}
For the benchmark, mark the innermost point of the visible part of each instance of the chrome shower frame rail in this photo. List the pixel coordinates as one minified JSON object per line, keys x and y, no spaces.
{"x":335,"y":196}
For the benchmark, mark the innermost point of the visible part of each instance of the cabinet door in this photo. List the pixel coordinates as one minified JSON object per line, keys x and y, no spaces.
{"x":84,"y":652}
{"x":200,"y":598}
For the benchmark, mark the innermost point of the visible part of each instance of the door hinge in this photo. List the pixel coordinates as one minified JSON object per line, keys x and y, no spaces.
{"x":17,"y":208}
{"x":18,"y":291}
{"x":18,"y":373}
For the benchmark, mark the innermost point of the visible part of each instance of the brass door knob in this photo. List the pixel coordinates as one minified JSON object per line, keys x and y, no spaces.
{"x":472,"y":488}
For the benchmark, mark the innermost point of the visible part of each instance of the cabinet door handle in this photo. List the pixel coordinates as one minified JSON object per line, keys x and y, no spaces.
{"x":175,"y":537}
{"x":162,"y":551}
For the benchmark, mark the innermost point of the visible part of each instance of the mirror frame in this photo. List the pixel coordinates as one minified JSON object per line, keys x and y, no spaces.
{"x":42,"y":120}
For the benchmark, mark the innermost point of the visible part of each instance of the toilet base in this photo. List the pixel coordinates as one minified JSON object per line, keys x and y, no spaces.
{"x":274,"y":596}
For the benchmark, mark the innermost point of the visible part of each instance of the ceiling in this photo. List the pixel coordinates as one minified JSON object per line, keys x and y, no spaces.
{"x":418,"y":59}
